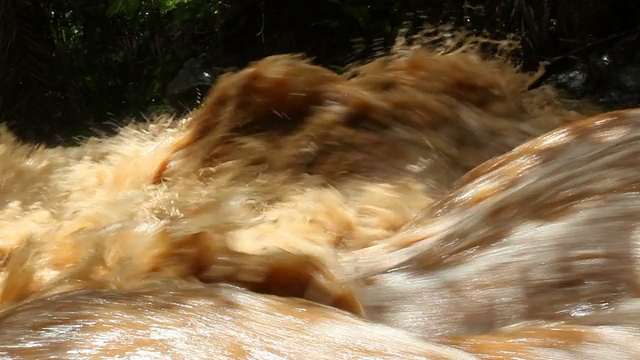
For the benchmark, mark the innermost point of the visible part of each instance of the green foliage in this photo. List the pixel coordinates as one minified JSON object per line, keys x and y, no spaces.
{"x":26,"y":53}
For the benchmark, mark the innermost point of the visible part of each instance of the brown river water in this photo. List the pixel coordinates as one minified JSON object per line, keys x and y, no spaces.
{"x":420,"y":206}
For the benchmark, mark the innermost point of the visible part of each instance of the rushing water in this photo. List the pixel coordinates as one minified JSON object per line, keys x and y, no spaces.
{"x":368,"y":191}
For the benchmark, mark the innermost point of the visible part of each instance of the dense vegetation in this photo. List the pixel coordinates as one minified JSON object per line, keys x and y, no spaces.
{"x":67,"y":66}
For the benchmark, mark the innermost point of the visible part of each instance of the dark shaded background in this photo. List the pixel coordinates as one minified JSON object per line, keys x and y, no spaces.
{"x":70,"y":68}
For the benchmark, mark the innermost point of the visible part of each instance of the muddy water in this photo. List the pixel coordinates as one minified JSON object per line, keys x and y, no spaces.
{"x":381,"y":197}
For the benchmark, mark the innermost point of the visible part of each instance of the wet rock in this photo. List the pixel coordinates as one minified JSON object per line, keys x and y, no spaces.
{"x":609,"y":76}
{"x":190,"y":85}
